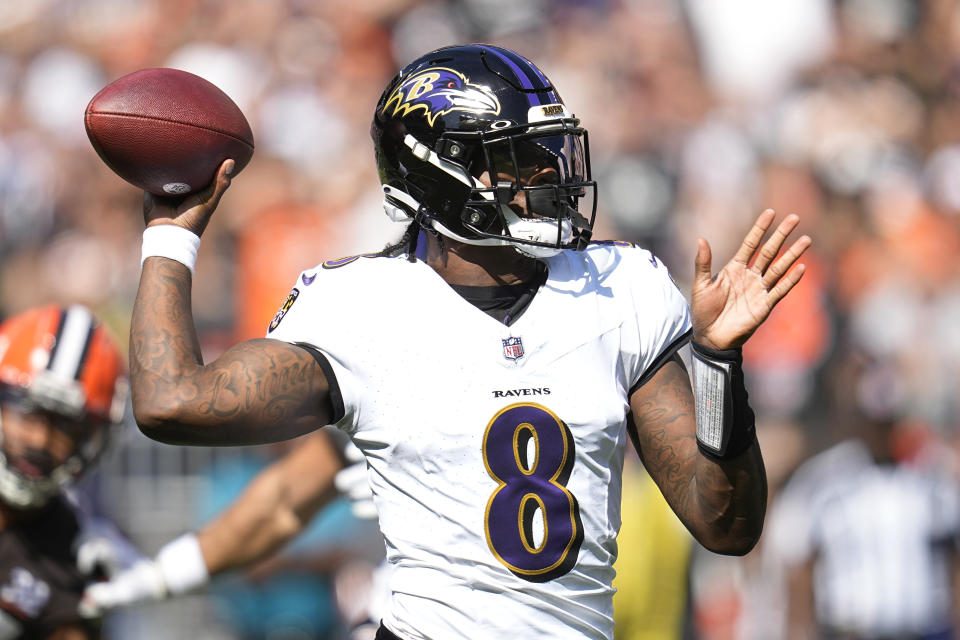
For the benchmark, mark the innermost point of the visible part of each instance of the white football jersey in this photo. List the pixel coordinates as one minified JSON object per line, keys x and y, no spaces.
{"x":494,"y":452}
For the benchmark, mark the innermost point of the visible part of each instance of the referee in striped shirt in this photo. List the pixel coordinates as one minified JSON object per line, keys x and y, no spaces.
{"x":870,"y":542}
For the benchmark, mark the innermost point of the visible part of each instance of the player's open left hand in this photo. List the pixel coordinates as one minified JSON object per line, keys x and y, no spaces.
{"x":729,"y":306}
{"x":193,"y":211}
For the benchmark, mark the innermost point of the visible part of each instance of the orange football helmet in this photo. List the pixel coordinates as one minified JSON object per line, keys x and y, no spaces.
{"x":61,"y":361}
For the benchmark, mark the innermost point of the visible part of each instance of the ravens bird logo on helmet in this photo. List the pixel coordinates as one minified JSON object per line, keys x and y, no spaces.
{"x":438,"y":91}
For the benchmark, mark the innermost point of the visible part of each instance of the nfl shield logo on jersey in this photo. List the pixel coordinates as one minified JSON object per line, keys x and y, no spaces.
{"x":512,"y":348}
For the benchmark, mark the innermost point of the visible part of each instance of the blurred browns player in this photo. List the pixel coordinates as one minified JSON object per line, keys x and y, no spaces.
{"x":276,"y":506}
{"x":490,"y":365}
{"x":62,"y":391}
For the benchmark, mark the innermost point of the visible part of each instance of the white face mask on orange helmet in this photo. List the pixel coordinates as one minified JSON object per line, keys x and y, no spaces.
{"x":62,"y":362}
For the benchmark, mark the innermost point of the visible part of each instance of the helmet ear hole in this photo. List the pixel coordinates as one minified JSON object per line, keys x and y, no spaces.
{"x":473,"y":217}
{"x":454,"y":150}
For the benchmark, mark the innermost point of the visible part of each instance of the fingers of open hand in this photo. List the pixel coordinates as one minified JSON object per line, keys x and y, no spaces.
{"x":783,"y":264}
{"x":772,"y":246}
{"x":776,"y":275}
{"x":785,"y":284}
{"x":702,"y":262}
{"x":752,"y":241}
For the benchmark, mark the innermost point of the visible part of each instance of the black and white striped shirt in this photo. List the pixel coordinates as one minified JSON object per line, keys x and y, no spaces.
{"x":881,"y":537}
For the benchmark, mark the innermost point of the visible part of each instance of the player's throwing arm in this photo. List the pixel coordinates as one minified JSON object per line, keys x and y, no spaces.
{"x":258,"y":391}
{"x":179,"y":138}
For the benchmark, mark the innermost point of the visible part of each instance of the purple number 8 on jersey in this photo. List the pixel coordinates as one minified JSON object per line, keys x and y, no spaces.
{"x":531,"y":488}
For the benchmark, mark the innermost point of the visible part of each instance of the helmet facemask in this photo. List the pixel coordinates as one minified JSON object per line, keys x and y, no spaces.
{"x":513,"y":185}
{"x":30,"y":476}
{"x":536,"y":188}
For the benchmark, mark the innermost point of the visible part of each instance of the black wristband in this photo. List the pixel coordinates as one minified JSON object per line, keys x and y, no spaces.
{"x":726,"y":425}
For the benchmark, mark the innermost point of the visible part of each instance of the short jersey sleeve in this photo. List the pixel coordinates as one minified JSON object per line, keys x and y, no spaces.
{"x":309,"y":317}
{"x":659,"y":316}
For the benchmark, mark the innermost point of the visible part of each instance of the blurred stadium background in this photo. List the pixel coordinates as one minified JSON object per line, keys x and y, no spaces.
{"x":700,"y":114}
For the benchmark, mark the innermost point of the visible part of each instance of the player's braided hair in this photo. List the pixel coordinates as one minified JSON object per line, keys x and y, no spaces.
{"x":407,"y":243}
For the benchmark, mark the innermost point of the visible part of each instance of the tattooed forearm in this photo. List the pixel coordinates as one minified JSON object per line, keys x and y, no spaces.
{"x":258,"y":391}
{"x":721,"y":503}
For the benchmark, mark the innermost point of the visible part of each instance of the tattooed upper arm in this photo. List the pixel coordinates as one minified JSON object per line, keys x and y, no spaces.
{"x":258,"y":391}
{"x":664,"y":419}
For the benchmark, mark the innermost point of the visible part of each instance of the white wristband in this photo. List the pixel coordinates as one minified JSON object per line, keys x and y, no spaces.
{"x":171,"y":241}
{"x":182,"y":565}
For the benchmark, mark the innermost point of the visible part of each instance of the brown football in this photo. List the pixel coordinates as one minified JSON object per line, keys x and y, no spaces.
{"x":167,"y":131}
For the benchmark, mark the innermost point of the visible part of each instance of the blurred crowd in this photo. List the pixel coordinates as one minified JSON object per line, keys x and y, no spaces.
{"x":700,"y":113}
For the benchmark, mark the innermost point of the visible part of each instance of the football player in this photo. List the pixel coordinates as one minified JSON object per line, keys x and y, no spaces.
{"x":490,"y":365}
{"x":62,"y":391}
{"x":276,"y":507}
